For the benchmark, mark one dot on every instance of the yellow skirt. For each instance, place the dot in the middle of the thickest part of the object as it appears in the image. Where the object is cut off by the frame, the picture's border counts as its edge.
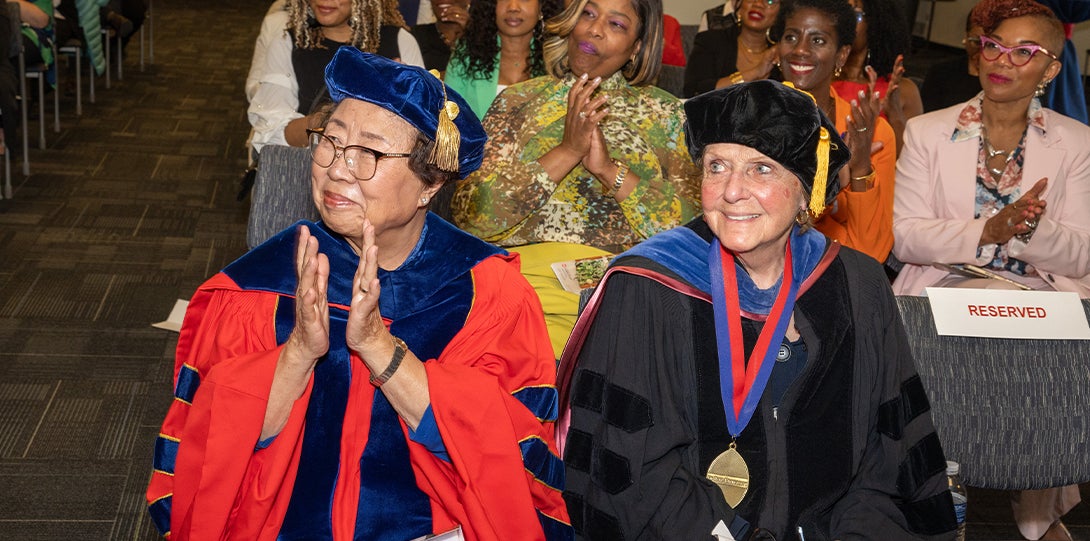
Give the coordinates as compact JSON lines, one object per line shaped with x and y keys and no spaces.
{"x":560,"y":306}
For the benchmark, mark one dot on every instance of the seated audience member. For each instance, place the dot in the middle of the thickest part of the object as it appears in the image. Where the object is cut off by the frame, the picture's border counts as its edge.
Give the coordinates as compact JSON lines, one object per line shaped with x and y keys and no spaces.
{"x":790,"y":441}
{"x":437,"y":39}
{"x":589,"y":159}
{"x":673,"y":50}
{"x":816,"y":39}
{"x":1023,"y":216}
{"x":502,"y":46}
{"x":954,"y":81}
{"x":285,"y":83}
{"x":80,"y":20}
{"x":37,"y":20}
{"x":377,"y":375}
{"x":881,"y":43}
{"x":735,"y":53}
{"x":720,"y":16}
{"x":125,"y":17}
{"x":37,"y":34}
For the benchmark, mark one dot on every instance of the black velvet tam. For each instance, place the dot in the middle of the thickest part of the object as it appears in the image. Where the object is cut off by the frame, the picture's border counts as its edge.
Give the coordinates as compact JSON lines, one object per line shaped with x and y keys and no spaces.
{"x":411,"y":93}
{"x":772,"y":118}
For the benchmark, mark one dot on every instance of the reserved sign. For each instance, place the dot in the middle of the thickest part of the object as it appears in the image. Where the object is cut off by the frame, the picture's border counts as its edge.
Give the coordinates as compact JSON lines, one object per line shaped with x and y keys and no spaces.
{"x":999,"y":313}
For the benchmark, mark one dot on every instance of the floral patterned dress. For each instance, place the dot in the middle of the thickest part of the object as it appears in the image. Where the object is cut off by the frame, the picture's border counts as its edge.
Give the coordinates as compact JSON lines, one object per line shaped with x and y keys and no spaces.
{"x":512,"y":201}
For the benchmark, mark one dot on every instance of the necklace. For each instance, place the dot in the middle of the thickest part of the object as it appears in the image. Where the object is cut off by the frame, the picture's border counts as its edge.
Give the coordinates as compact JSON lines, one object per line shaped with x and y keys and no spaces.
{"x":742,"y":44}
{"x":1008,"y":155}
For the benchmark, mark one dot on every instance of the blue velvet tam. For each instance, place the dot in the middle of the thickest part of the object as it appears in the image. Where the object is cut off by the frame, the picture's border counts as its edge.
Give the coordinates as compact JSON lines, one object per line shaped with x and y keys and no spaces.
{"x":778,"y":121}
{"x":417,"y":96}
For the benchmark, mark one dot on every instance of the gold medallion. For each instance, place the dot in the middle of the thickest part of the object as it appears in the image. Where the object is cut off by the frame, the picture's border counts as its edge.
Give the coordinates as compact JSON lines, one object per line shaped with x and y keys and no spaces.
{"x":730,"y":473}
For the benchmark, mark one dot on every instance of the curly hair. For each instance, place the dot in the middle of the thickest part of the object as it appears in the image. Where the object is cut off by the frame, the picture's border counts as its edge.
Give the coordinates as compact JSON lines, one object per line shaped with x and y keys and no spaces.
{"x":479,"y":47}
{"x":988,"y":14}
{"x":887,"y":34}
{"x":840,"y":11}
{"x":365,"y":25}
{"x":648,"y":63}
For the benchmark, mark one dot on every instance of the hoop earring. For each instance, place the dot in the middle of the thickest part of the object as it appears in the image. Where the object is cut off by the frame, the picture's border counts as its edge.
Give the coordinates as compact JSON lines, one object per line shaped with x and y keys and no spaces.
{"x":768,"y":37}
{"x":801,"y":218}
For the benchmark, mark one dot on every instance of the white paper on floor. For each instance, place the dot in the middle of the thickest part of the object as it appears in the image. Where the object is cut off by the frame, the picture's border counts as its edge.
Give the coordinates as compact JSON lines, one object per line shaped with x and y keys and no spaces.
{"x":174,"y":320}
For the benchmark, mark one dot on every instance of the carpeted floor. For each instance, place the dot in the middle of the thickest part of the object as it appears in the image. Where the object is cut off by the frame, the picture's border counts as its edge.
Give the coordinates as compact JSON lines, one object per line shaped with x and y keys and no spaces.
{"x":131,"y":207}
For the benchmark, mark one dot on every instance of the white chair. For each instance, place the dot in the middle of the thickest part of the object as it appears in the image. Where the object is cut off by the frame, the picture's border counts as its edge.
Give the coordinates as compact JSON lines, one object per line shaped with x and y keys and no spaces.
{"x":30,"y":72}
{"x":151,"y":37}
{"x":74,"y":49}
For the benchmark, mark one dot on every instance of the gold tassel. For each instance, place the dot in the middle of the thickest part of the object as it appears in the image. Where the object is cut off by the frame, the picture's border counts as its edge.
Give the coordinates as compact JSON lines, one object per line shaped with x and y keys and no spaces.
{"x":821,"y":176}
{"x":447,"y":138}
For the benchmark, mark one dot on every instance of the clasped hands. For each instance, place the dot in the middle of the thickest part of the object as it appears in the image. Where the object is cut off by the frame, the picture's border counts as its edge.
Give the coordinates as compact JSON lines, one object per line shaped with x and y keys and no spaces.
{"x":583,"y":136}
{"x":1018,"y":218}
{"x":366,"y":334}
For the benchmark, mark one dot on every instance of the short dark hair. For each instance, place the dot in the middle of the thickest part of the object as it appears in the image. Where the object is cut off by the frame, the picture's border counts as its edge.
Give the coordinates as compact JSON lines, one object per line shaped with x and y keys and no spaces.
{"x":989,"y":14}
{"x":840,"y":11}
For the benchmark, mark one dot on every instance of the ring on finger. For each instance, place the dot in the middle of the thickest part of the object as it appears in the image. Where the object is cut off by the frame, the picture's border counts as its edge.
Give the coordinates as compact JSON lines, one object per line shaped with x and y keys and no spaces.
{"x":863,"y":129}
{"x":582,"y":114}
{"x":1031,"y":223}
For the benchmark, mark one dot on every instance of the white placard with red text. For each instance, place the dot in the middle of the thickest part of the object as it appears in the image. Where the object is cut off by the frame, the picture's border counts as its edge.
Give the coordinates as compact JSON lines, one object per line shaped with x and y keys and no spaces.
{"x":1000,"y":313}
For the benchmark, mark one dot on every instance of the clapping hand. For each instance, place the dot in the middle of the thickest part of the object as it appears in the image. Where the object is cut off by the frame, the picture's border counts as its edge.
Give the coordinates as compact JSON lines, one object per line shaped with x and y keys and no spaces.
{"x":366,"y":334}
{"x":860,"y":136}
{"x":452,"y":13}
{"x":309,"y":340}
{"x":584,"y":114}
{"x":1018,"y":218}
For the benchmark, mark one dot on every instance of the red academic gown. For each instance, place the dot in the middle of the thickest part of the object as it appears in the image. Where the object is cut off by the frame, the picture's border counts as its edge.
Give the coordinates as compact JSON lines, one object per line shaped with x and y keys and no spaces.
{"x":492,"y":393}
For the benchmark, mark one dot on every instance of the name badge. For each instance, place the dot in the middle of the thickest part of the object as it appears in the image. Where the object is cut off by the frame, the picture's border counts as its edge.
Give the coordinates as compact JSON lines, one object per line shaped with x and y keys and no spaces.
{"x":998,"y":313}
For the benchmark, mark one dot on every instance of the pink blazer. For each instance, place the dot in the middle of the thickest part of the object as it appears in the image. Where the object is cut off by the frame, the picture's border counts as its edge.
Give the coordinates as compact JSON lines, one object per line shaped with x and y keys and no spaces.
{"x":935,"y":197}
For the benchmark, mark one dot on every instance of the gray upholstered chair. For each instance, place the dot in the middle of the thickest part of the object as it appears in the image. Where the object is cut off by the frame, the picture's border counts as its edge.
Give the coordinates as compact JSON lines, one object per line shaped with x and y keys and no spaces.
{"x":281,"y":192}
{"x":1014,"y":413}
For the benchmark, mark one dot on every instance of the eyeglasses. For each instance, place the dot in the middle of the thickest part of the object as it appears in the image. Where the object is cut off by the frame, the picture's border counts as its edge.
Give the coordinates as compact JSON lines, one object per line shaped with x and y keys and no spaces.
{"x":768,"y":3}
{"x":859,"y":16}
{"x":1019,"y":56}
{"x":361,"y":161}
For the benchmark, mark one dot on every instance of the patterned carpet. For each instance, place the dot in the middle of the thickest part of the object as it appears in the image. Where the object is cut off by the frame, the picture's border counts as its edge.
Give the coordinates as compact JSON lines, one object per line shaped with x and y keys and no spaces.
{"x":130,"y":207}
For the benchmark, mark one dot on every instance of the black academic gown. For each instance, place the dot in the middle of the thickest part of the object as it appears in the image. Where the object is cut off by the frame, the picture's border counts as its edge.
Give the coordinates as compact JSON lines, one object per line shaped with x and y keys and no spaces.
{"x":850,"y":451}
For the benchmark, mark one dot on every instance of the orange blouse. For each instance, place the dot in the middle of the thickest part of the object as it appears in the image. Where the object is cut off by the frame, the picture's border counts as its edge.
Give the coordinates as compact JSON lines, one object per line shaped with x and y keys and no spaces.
{"x":864,"y":220}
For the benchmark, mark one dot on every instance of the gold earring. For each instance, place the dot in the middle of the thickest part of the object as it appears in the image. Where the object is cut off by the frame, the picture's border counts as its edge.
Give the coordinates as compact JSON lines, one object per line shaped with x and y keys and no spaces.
{"x":1041,"y":86}
{"x":837,"y":72}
